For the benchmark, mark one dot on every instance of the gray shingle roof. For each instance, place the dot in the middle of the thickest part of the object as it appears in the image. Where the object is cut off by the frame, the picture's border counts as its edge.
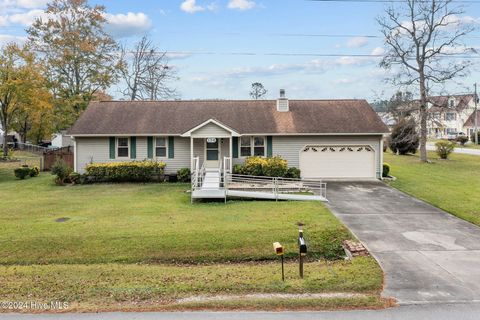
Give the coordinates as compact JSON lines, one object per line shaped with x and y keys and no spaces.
{"x":245,"y":117}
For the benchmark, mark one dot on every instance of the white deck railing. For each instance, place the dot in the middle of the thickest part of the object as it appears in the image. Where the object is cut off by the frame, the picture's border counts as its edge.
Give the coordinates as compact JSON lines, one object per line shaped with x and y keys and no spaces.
{"x":276,"y":185}
{"x":272,"y":185}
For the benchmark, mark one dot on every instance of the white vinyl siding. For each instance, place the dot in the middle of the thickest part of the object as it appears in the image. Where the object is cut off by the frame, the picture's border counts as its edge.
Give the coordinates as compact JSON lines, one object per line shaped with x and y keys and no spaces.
{"x":211,"y":130}
{"x":96,"y":150}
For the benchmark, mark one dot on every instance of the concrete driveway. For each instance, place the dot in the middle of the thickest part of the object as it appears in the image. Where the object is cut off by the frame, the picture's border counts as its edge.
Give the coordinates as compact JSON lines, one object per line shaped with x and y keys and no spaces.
{"x":427,"y":254}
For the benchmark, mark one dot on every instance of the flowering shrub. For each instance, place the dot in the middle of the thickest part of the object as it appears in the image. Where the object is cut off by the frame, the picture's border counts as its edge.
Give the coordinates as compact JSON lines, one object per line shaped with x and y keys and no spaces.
{"x":134,"y":171}
{"x":269,"y":167}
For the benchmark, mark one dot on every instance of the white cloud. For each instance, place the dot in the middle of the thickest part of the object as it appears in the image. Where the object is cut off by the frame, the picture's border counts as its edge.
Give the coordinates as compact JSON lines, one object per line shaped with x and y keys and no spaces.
{"x":126,"y":25}
{"x":378,"y":51}
{"x":22,"y":4}
{"x":26,"y":18}
{"x":343,"y":81}
{"x":357,"y":42}
{"x":191,"y":6}
{"x":7,"y":38}
{"x":241,"y":4}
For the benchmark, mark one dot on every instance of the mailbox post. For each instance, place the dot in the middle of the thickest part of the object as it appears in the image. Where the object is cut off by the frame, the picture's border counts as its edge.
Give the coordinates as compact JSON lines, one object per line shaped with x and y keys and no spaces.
{"x":302,"y":248}
{"x":279,"y":252}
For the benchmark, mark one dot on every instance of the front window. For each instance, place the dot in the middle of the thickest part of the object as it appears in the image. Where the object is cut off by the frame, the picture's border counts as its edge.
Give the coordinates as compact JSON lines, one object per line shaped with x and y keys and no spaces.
{"x":450,"y":116}
{"x":161,"y":147}
{"x":259,"y":146}
{"x":122,"y":147}
{"x":245,"y":146}
{"x":451,"y":130}
{"x":252,"y":146}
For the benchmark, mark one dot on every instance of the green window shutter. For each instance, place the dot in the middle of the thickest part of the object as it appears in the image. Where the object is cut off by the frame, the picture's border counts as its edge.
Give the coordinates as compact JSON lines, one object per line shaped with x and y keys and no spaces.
{"x":171,"y":147}
{"x":235,"y":147}
{"x":133,"y":147}
{"x":150,"y":147}
{"x":112,"y":147}
{"x":269,"y":146}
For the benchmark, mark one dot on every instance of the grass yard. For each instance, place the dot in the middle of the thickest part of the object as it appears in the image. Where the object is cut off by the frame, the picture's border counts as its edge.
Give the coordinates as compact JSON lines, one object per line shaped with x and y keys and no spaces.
{"x":144,"y":246}
{"x":160,"y":287}
{"x":452,"y":185}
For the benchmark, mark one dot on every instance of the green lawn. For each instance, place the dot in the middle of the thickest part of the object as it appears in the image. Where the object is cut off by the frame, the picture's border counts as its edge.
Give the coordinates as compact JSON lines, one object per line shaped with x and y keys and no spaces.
{"x":452,"y":185}
{"x":134,"y":246}
{"x":150,"y":223}
{"x":123,"y":286}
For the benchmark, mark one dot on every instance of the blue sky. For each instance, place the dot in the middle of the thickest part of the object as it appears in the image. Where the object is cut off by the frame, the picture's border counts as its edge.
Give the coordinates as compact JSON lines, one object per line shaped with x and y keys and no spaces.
{"x":188,"y":29}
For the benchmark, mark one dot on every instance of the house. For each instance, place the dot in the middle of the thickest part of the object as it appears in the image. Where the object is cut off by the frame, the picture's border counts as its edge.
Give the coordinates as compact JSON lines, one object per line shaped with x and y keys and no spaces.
{"x":61,"y":139}
{"x":323,"y":138}
{"x":388,"y":119}
{"x":469,"y":125}
{"x":449,"y":114}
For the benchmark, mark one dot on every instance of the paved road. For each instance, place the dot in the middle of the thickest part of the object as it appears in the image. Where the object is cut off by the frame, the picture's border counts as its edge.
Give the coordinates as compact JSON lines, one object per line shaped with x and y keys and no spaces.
{"x":475,"y":152}
{"x":428,"y":255}
{"x":413,"y":312}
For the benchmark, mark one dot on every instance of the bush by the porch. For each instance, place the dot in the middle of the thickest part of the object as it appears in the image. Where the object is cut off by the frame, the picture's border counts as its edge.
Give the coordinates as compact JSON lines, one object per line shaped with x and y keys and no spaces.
{"x":135,"y":171}
{"x":268,"y":167}
{"x":183,"y":175}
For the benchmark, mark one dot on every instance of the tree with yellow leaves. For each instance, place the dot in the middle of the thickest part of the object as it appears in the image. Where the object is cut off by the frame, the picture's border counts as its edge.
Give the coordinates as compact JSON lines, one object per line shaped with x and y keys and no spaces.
{"x":22,"y":86}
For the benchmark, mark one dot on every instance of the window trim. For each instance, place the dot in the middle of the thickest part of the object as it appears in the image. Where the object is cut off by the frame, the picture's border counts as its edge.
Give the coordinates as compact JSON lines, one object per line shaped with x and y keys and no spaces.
{"x":450,"y":113}
{"x":252,"y":146}
{"x":155,"y":147}
{"x":117,"y":146}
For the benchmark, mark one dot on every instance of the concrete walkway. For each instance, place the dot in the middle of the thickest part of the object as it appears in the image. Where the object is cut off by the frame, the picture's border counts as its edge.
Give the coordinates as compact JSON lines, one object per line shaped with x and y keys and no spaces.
{"x":475,"y":152}
{"x":428,"y":255}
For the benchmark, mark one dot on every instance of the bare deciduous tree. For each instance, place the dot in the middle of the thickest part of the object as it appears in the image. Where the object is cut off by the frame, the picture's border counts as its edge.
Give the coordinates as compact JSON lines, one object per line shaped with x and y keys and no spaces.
{"x":146,"y":72}
{"x":258,"y":91}
{"x":419,"y":35}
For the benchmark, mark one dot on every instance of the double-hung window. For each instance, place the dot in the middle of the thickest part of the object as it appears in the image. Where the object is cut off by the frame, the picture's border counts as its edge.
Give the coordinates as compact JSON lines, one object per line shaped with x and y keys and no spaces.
{"x":122,"y":147}
{"x":259,"y":146}
{"x":161,"y":147}
{"x":252,"y":146}
{"x":245,"y":146}
{"x":450,"y":116}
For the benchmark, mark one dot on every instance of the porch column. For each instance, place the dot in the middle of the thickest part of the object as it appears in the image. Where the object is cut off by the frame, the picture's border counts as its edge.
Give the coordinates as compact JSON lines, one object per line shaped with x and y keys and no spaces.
{"x":231,"y":147}
{"x":191,"y":154}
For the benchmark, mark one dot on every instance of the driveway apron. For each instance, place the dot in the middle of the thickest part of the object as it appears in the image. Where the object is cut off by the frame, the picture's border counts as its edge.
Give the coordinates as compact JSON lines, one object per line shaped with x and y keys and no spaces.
{"x":427,"y":254}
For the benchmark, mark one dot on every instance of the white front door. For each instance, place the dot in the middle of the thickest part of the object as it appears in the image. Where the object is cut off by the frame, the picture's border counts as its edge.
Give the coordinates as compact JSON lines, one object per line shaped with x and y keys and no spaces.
{"x":212,"y":152}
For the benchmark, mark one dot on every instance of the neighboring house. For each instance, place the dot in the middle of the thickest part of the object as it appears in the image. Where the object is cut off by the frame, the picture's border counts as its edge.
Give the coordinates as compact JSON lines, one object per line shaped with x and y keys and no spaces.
{"x":448,"y":114}
{"x":61,"y":139}
{"x":324,"y":138}
{"x":387,"y":119}
{"x":469,"y":125}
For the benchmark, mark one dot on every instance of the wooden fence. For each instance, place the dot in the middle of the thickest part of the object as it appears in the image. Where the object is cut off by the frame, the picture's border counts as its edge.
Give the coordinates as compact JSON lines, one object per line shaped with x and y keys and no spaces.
{"x":50,"y":156}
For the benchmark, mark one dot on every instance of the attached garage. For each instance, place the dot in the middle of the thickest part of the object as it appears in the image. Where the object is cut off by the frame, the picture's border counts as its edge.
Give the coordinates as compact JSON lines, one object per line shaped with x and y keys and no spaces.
{"x":339,"y":162}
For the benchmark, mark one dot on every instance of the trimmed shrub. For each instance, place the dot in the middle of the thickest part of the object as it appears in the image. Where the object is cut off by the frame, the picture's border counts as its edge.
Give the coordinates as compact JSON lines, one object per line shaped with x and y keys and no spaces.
{"x":22,"y":172}
{"x":134,"y":171}
{"x":34,"y":172}
{"x":61,"y":170}
{"x":404,"y":137}
{"x":7,"y":156}
{"x":238,"y":169}
{"x":293,"y":173}
{"x":253,"y":166}
{"x":462,"y":140}
{"x":75,"y":177}
{"x":444,"y":148}
{"x":385,"y":170}
{"x":274,"y":167}
{"x":183,"y":175}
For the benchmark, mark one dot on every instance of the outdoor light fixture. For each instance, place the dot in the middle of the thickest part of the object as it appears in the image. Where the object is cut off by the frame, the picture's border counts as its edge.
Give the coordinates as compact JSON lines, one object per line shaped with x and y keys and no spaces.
{"x":278,"y":248}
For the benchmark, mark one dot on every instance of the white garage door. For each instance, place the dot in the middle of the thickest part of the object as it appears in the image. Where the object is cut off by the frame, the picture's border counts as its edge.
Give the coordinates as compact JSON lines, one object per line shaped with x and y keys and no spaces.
{"x":349,"y":161}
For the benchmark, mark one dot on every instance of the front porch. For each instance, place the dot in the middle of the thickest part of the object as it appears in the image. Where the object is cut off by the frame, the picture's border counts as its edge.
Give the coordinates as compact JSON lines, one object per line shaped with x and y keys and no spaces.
{"x":221,"y":183}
